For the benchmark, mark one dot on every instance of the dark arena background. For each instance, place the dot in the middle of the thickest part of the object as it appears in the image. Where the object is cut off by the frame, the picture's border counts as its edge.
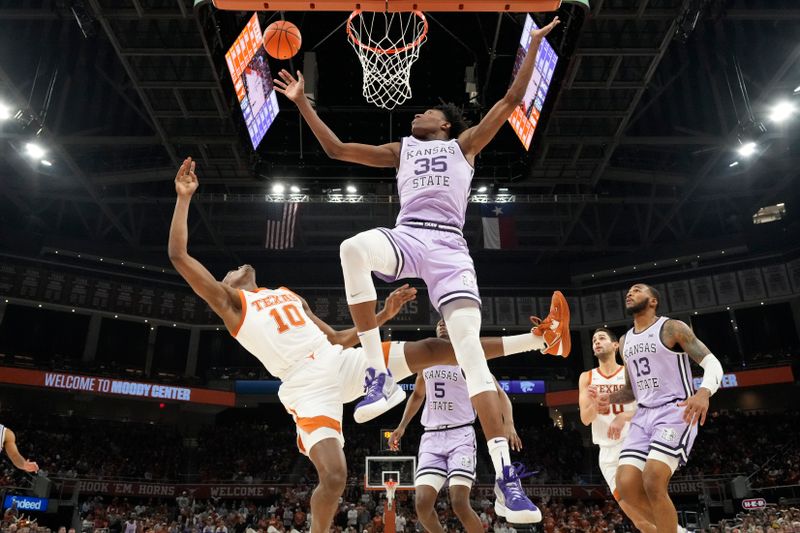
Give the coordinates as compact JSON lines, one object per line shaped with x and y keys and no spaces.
{"x":666,"y":152}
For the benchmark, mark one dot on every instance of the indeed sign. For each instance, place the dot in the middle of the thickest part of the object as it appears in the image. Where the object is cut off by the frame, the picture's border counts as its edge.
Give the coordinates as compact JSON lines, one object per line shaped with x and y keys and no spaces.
{"x":25,"y":503}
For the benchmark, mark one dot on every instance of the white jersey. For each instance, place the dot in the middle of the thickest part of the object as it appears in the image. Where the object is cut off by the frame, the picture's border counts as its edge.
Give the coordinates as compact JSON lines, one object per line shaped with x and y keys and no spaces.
{"x":2,"y":437}
{"x":607,"y":385}
{"x":276,"y":330}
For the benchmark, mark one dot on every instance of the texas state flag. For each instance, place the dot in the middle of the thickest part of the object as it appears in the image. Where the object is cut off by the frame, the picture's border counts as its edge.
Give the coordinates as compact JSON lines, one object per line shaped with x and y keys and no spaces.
{"x":499,"y":229}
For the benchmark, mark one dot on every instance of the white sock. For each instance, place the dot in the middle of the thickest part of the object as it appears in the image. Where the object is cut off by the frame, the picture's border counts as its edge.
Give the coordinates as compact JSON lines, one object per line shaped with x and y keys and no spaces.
{"x":371,"y":343}
{"x":501,"y":456}
{"x":538,"y":343}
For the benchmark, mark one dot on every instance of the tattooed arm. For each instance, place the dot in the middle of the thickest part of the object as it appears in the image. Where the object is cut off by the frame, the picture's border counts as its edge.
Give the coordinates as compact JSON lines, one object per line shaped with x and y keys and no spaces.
{"x":625,"y":394}
{"x":677,"y":333}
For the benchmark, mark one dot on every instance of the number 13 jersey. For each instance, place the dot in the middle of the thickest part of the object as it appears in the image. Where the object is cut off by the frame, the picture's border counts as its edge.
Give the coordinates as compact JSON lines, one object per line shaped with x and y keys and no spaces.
{"x":609,"y":384}
{"x":433,"y":181}
{"x":277,"y":331}
{"x":658,"y":375}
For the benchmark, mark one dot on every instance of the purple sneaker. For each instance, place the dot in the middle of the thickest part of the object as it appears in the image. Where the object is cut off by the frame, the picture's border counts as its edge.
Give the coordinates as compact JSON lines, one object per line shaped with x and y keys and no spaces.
{"x":511,"y":502}
{"x":381,"y":393}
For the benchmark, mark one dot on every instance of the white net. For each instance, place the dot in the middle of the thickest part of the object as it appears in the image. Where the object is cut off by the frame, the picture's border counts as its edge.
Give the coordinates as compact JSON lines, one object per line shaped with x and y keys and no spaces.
{"x":387,"y":45}
{"x":391,"y":487}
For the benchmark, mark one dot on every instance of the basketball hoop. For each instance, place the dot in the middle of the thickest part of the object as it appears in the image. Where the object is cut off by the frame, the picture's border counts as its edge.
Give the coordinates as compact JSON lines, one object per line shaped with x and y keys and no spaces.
{"x":387,"y":45}
{"x":391,"y":487}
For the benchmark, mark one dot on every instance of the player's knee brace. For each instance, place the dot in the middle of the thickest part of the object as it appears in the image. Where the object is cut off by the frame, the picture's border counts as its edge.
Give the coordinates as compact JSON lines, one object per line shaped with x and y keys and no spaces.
{"x":361,"y":255}
{"x":464,"y":327}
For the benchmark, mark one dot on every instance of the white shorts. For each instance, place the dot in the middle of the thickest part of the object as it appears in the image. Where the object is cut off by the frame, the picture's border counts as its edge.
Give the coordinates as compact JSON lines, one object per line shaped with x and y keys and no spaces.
{"x":609,"y":461}
{"x":319,"y":386}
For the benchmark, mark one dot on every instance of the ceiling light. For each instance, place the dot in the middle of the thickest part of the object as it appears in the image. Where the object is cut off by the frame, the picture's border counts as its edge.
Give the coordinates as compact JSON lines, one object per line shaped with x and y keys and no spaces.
{"x":747,"y":149}
{"x":782,"y":111}
{"x":46,"y":163}
{"x":796,"y":89}
{"x":503,"y":189}
{"x":295,"y":189}
{"x":5,"y":112}
{"x":34,"y":151}
{"x":735,"y":163}
{"x":482,"y":189}
{"x":351,"y":189}
{"x":278,"y":188}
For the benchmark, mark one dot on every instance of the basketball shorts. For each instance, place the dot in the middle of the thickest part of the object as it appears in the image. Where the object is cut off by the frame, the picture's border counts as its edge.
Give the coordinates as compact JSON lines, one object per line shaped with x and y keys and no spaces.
{"x":317,"y":388}
{"x":439,"y":257}
{"x":608,"y":462}
{"x":658,"y":433}
{"x":447,"y":456}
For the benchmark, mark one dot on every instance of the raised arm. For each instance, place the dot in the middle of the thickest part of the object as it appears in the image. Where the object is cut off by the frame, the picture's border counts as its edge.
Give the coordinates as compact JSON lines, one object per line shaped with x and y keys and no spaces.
{"x":10,"y":446}
{"x":473,"y":140}
{"x":586,"y":404}
{"x":348,"y":338}
{"x":382,"y":156}
{"x":413,"y":404}
{"x":223,"y":300}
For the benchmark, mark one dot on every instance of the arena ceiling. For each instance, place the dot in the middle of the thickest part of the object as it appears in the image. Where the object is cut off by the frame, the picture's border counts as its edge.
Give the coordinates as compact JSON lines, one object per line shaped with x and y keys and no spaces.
{"x":634,"y":157}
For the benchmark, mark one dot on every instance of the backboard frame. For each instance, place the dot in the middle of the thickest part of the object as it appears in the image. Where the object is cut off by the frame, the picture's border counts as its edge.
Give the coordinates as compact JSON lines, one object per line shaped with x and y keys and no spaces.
{"x":389,"y":458}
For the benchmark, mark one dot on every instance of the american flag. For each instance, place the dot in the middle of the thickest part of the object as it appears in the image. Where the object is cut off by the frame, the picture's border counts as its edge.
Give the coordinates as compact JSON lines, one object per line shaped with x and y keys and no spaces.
{"x":281,"y":220}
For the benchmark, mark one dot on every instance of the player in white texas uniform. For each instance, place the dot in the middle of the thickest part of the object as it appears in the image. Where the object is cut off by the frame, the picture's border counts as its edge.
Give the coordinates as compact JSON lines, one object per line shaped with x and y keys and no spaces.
{"x":434,"y":172}
{"x":610,"y":428}
{"x":8,"y":442}
{"x":447,"y":450}
{"x":318,"y":368}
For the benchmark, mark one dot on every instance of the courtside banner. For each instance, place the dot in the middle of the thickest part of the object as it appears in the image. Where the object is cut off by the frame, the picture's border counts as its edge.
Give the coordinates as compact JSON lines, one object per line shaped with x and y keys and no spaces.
{"x":733,"y":380}
{"x":239,"y":491}
{"x":115,"y":387}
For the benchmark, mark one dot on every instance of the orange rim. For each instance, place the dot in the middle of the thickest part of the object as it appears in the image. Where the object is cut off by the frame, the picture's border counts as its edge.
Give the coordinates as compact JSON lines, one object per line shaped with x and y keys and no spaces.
{"x":388,"y":51}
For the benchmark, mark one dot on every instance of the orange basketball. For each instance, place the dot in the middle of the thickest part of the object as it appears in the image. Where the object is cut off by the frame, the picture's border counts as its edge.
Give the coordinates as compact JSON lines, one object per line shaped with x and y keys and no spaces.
{"x":282,"y":39}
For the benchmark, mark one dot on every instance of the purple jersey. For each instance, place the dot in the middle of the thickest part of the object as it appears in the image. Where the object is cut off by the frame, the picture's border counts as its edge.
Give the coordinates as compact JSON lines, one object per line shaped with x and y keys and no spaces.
{"x":447,"y":402}
{"x":433,"y":181}
{"x":658,"y":375}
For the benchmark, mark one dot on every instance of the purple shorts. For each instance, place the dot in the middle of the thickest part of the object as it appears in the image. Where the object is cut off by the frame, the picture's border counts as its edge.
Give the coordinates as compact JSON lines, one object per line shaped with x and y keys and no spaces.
{"x":448,"y":453}
{"x":439,"y":257}
{"x":659,"y":429}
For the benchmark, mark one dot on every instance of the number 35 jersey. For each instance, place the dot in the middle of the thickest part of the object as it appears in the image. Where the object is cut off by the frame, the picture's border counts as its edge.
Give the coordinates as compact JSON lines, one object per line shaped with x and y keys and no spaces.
{"x":658,"y":375}
{"x":433,"y":181}
{"x":447,"y":402}
{"x":608,"y":384}
{"x":277,"y":331}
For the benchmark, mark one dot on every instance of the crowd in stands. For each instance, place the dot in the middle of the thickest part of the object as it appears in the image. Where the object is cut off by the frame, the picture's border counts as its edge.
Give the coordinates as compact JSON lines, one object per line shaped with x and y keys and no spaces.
{"x":765,"y":446}
{"x":773,"y":519}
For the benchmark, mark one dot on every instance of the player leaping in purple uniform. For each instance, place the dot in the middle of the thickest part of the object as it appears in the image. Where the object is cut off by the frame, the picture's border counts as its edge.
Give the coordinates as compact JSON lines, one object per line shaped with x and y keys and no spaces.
{"x":434,"y":174}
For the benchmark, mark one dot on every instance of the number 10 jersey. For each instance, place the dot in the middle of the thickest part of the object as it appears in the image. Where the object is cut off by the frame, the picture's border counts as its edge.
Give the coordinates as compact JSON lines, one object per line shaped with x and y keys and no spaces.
{"x":275,"y":328}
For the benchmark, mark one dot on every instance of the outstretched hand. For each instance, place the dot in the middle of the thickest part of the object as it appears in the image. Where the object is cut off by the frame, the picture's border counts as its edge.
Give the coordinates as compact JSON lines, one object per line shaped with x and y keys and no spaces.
{"x":30,"y":466}
{"x":541,"y":32}
{"x":186,"y":180}
{"x":287,"y":85}
{"x":394,"y":438}
{"x":398,"y":298}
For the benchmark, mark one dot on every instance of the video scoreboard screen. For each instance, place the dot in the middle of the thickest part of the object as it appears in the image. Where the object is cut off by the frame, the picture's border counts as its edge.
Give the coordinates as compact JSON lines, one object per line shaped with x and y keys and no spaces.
{"x":525,"y":117}
{"x":252,"y":79}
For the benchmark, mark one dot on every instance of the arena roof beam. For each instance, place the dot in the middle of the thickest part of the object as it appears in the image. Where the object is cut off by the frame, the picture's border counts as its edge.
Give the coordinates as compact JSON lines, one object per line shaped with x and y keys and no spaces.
{"x":52,"y":142}
{"x":712,"y":161}
{"x":162,"y":135}
{"x":666,"y":40}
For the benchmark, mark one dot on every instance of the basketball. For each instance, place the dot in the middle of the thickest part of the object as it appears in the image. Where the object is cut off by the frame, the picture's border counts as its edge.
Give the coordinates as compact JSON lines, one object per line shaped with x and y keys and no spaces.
{"x":282,"y":39}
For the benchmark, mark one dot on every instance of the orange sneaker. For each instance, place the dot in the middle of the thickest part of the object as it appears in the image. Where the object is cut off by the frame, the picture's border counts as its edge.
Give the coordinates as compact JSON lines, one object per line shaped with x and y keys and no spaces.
{"x":555,"y":327}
